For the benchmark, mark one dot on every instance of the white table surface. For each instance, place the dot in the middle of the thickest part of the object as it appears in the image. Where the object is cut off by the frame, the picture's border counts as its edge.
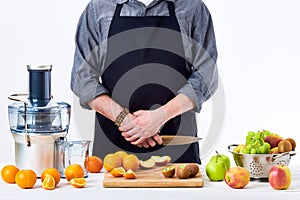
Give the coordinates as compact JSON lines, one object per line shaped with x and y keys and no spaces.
{"x":94,"y":190}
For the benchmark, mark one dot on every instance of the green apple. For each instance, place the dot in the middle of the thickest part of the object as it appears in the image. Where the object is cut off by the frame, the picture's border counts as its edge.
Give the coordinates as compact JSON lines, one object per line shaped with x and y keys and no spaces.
{"x":221,"y":157}
{"x":216,"y":170}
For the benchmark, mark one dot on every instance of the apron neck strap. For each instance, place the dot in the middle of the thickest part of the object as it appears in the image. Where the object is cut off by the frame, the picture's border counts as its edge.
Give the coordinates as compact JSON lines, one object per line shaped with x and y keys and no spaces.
{"x":171,"y":7}
{"x":118,"y":10}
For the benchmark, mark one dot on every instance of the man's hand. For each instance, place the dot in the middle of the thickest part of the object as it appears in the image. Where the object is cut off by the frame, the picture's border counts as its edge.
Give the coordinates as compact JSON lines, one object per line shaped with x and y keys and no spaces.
{"x":152,"y":141}
{"x":144,"y":127}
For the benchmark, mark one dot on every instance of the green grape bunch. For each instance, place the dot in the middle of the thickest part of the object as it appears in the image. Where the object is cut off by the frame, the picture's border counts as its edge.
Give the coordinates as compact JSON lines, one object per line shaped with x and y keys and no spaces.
{"x":255,"y":143}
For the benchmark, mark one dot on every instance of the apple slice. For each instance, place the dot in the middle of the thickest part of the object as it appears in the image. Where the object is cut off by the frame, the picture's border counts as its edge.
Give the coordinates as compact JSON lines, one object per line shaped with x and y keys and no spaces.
{"x":148,"y":164}
{"x":161,"y":160}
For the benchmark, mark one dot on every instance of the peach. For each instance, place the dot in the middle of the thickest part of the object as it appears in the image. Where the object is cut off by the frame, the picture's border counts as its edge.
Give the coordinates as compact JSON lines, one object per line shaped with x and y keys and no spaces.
{"x":111,"y":161}
{"x":237,"y":177}
{"x":131,"y":161}
{"x":280,"y":177}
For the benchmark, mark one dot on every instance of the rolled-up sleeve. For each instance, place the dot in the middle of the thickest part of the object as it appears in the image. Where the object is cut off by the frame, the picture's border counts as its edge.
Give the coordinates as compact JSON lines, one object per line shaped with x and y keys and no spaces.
{"x":86,"y":68}
{"x":203,"y":81}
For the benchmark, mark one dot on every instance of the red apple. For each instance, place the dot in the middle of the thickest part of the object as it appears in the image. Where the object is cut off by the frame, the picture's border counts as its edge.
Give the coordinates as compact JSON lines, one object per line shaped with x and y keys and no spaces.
{"x":280,"y":177}
{"x":273,"y":139}
{"x":237,"y":177}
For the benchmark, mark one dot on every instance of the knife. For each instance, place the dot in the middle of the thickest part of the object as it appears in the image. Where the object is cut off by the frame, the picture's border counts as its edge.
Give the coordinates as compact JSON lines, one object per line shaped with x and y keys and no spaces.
{"x":179,"y":139}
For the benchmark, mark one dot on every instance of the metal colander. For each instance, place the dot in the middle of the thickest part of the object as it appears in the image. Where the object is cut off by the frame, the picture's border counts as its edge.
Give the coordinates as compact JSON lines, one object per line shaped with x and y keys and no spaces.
{"x":259,"y":164}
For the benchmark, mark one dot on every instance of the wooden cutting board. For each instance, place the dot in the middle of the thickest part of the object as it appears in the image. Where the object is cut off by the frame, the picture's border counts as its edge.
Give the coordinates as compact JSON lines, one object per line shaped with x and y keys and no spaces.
{"x":151,"y":178}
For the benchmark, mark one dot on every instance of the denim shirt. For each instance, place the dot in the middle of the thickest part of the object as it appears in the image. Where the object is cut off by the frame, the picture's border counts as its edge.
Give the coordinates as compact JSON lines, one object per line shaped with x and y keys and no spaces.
{"x":92,"y":31}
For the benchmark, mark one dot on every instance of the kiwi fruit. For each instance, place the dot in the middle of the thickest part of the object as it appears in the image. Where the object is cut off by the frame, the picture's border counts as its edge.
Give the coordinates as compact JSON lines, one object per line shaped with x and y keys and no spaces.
{"x":293,"y":143}
{"x":168,"y":172}
{"x":182,"y":173}
{"x":284,"y":146}
{"x":192,"y":168}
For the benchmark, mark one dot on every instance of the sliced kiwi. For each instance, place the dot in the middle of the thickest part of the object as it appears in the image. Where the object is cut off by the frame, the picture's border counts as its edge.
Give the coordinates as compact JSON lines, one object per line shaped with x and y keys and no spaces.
{"x":168,"y":172}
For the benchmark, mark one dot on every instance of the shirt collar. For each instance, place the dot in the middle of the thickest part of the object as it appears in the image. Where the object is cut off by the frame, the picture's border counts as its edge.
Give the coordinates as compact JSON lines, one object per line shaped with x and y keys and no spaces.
{"x":123,"y":1}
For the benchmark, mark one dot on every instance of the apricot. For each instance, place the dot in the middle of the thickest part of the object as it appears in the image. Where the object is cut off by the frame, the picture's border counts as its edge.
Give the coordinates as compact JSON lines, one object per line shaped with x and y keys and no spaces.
{"x":121,"y":153}
{"x":131,"y":162}
{"x":111,"y":161}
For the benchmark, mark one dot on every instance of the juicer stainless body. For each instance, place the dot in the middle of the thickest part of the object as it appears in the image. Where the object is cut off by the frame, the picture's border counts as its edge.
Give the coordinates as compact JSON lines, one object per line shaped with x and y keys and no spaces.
{"x":37,"y":121}
{"x":39,"y":155}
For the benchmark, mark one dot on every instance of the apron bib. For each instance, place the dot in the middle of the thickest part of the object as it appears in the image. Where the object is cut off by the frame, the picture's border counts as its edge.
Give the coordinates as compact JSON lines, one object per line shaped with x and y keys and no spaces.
{"x":143,"y":79}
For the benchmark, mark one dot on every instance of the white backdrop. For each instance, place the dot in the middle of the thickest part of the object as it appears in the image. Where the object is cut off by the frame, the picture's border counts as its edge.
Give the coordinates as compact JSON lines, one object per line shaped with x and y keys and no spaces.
{"x":258,"y":62}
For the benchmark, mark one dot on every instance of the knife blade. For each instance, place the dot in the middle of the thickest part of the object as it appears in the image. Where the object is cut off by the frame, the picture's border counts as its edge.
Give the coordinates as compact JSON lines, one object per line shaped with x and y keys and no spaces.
{"x":179,"y":139}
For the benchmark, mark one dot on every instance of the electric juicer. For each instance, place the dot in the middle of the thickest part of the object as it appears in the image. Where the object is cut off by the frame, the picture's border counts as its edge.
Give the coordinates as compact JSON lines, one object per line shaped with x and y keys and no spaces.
{"x":37,"y":121}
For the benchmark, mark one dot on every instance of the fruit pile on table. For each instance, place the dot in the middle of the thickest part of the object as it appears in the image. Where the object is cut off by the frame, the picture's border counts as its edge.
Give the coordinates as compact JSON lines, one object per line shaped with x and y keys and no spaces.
{"x":120,"y":164}
{"x":265,"y":142}
{"x":50,"y":177}
{"x":260,"y":142}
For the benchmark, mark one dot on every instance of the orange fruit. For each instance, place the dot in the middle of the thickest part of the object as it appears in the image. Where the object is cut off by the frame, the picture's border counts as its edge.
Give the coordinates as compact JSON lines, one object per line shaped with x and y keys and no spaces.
{"x":8,"y":173}
{"x":78,"y":182}
{"x":130,"y":174}
{"x":48,"y":182}
{"x":94,"y":164}
{"x":25,"y":178}
{"x":131,"y":162}
{"x":53,"y":172}
{"x":74,"y":171}
{"x":111,"y":161}
{"x":118,"y":172}
{"x":121,"y":153}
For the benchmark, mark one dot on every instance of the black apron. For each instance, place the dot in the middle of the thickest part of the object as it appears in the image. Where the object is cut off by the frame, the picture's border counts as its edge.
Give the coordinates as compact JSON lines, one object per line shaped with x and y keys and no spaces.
{"x":142,"y":79}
